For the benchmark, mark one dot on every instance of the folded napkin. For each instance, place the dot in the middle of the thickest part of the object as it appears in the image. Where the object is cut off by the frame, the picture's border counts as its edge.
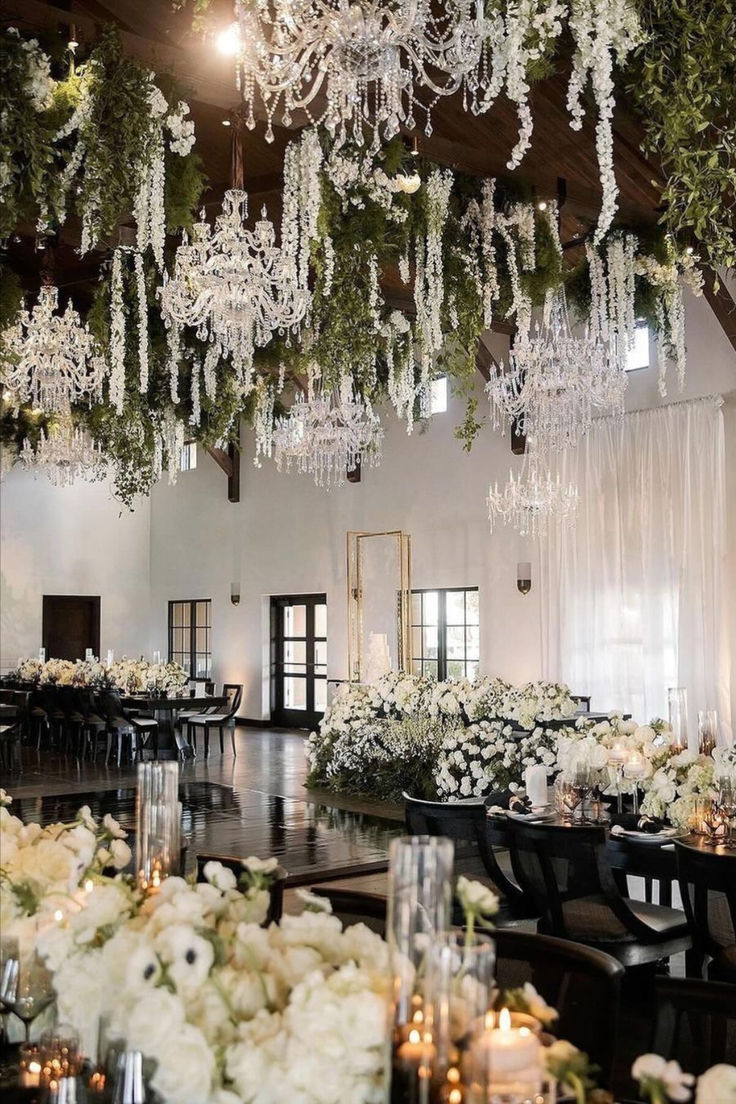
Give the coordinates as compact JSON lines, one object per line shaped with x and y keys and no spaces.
{"x":631,"y":822}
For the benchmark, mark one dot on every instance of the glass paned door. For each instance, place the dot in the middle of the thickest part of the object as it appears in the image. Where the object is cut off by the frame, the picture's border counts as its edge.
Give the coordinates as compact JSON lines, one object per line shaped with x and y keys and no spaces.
{"x":298,"y":659}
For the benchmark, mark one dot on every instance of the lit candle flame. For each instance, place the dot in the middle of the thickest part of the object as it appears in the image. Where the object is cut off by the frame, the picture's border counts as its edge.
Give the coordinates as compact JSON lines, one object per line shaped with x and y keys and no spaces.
{"x":504,"y":1020}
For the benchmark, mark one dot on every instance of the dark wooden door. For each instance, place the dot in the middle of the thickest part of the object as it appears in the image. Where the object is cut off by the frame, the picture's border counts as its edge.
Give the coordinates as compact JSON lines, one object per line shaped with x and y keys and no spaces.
{"x":71,"y":624}
{"x":298,"y":659}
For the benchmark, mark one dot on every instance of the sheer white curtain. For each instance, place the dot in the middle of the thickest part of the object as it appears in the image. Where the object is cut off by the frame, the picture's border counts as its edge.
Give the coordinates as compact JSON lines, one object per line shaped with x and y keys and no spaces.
{"x":632,"y":598}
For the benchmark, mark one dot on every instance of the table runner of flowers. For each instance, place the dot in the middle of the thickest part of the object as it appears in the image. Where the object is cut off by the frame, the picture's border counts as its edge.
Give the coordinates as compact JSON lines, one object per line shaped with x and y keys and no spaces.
{"x":224,"y":1010}
{"x":130,"y":676}
{"x":453,"y":740}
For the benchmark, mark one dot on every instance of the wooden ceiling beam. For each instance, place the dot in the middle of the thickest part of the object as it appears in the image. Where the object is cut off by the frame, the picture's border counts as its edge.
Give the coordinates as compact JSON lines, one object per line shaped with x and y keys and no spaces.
{"x":721,"y":303}
{"x":229,"y":460}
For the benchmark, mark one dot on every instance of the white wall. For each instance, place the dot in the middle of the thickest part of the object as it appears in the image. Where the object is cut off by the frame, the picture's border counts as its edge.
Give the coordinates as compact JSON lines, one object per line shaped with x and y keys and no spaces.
{"x":287,"y":536}
{"x":71,"y":540}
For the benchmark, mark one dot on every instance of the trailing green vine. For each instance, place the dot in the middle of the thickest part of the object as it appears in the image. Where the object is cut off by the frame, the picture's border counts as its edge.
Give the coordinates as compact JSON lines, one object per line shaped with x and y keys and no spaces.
{"x":682,"y":80}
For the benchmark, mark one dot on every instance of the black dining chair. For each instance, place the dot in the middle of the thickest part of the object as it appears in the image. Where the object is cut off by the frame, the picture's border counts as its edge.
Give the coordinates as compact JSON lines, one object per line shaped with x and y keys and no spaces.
{"x":582,"y":983}
{"x":220,"y":719}
{"x":143,"y":731}
{"x":468,"y":822}
{"x":708,"y":888}
{"x":566,"y":871}
{"x":695,"y":1022}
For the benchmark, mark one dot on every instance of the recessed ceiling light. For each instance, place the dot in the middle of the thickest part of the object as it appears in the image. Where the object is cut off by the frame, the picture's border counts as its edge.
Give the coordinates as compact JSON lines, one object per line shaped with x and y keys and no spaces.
{"x":226,"y":122}
{"x":228,"y":40}
{"x":542,"y":205}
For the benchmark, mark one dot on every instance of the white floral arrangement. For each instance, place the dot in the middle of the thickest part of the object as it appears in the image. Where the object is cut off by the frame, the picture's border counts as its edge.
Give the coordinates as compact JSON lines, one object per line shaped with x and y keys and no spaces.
{"x":486,"y":757}
{"x":45,"y":870}
{"x":661,"y":1081}
{"x":130,"y":676}
{"x":469,"y":751}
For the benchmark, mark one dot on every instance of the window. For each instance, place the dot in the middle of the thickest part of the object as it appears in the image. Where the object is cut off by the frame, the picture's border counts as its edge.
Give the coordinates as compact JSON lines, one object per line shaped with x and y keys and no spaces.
{"x":445,"y":633}
{"x":190,"y":629}
{"x":188,"y":456}
{"x":639,"y":351}
{"x":438,"y":396}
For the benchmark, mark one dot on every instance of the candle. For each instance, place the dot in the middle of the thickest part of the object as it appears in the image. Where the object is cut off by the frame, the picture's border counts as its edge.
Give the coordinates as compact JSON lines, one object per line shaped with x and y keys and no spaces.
{"x":617,"y":754}
{"x":512,"y":1054}
{"x":535,"y":781}
{"x":29,"y":1066}
{"x":110,"y":657}
{"x":635,"y":766}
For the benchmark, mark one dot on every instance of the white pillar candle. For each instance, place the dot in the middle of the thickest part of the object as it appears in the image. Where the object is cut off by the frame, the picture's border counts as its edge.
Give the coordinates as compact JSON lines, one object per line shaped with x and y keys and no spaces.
{"x":535,"y":781}
{"x":512,"y":1055}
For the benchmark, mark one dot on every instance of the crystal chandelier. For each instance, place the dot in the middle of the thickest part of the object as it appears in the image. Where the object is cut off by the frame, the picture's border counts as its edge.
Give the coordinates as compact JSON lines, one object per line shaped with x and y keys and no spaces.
{"x":235,"y":286}
{"x":556,"y":381}
{"x":51,"y":360}
{"x":328,"y":436}
{"x":66,"y":454}
{"x":370,"y":62}
{"x":533,"y":500}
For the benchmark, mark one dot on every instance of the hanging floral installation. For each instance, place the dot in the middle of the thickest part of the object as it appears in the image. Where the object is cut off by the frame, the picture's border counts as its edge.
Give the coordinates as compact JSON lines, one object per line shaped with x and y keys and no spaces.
{"x":397,"y":265}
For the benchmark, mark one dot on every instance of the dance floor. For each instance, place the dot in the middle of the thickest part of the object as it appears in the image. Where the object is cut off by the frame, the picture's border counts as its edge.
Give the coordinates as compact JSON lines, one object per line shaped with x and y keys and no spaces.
{"x":251,"y":804}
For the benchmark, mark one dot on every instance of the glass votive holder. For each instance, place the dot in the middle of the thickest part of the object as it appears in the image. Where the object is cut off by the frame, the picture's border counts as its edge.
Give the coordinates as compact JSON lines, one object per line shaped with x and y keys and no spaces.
{"x":60,"y":1054}
{"x":506,"y":1064}
{"x":158,"y":827}
{"x":29,"y":1066}
{"x":715,"y":824}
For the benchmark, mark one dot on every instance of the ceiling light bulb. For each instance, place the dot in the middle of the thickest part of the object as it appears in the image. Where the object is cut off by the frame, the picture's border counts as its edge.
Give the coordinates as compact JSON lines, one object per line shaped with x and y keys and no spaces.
{"x":226,"y":122}
{"x":72,"y":44}
{"x":542,"y":205}
{"x":228,"y":41}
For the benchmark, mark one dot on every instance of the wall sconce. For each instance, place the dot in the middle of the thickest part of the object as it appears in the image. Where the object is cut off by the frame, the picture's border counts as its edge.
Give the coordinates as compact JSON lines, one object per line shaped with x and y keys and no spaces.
{"x":524,"y":577}
{"x":235,"y":593}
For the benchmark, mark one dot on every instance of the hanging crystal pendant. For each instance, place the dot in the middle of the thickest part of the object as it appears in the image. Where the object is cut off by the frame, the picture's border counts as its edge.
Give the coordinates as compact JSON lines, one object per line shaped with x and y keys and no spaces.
{"x":534,"y":499}
{"x":51,"y":360}
{"x":64,"y":455}
{"x":350,"y":65}
{"x":556,"y":382}
{"x":327,"y":436}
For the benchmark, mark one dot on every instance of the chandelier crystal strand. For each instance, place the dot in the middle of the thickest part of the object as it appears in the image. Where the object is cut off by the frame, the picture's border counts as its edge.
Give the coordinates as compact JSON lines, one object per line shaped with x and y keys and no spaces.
{"x":235,"y":286}
{"x":533,"y":500}
{"x":64,"y":455}
{"x":51,"y":359}
{"x":353,"y":64}
{"x":327,"y":435}
{"x":263,"y":421}
{"x":555,"y":381}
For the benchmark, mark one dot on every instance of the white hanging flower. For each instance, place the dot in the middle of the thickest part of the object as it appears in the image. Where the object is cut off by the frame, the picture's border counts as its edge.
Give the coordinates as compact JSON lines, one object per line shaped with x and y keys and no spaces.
{"x":117,"y":335}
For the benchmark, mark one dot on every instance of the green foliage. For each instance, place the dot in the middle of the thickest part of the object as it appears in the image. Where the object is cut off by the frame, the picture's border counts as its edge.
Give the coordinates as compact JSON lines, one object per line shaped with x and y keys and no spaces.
{"x":128,"y":439}
{"x":682,"y":80}
{"x":117,"y":139}
{"x":29,"y":187}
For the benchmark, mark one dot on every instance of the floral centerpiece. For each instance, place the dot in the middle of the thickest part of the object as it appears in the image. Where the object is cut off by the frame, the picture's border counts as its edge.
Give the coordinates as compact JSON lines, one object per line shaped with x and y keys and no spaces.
{"x":460,"y":743}
{"x":130,"y":676}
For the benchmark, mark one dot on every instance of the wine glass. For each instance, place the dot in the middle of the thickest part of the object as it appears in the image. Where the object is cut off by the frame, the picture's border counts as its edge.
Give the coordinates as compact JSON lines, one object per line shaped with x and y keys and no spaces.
{"x":582,"y":782}
{"x":26,"y":987}
{"x":726,"y":802}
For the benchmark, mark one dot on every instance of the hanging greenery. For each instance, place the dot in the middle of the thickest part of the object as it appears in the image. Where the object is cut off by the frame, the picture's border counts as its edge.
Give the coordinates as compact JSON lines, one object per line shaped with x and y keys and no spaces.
{"x":29,"y":118}
{"x":105,"y":140}
{"x":123,"y":134}
{"x":682,"y":79}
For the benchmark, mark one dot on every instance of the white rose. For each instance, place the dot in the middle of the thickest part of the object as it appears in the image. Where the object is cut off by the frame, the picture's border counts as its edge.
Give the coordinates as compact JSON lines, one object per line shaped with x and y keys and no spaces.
{"x":718,"y":1084}
{"x":185,"y":1065}
{"x":112,"y":826}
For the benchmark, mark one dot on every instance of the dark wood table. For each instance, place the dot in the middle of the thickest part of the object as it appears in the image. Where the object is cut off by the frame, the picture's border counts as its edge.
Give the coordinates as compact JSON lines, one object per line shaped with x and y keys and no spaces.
{"x":166,"y":710}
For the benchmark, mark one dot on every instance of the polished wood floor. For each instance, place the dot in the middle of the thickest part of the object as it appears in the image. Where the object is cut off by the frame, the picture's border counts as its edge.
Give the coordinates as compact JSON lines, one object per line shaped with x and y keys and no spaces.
{"x":253,"y":803}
